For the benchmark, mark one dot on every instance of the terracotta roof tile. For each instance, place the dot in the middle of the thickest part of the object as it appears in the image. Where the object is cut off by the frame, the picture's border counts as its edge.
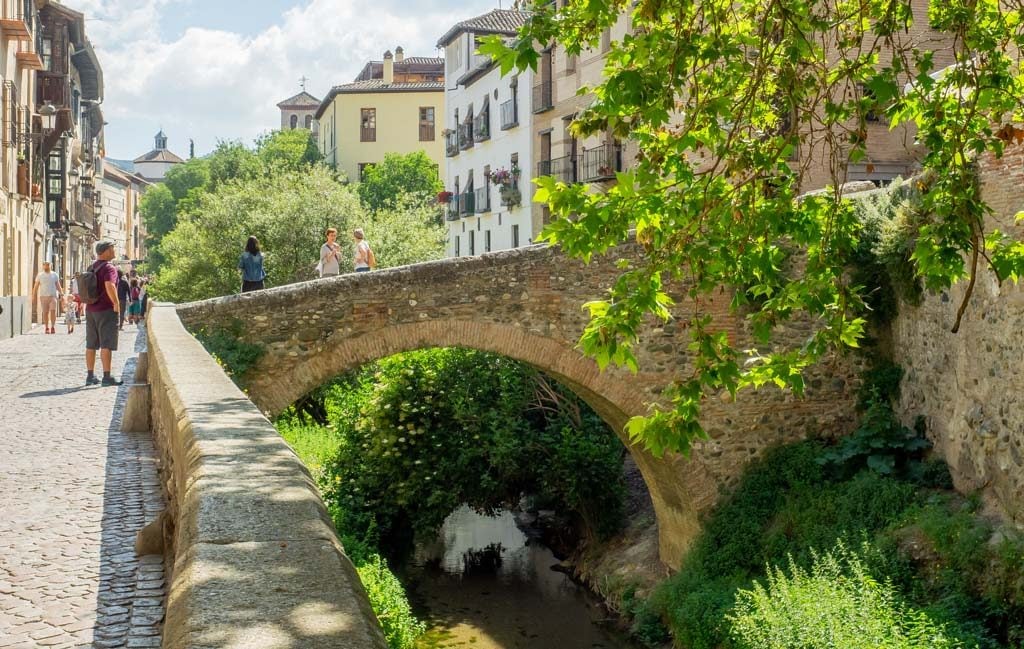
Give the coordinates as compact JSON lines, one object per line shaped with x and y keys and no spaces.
{"x":497,"y":21}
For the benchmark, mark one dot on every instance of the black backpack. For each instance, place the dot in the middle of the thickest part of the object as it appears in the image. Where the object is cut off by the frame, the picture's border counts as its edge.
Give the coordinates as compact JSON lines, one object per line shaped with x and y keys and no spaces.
{"x":89,"y":284}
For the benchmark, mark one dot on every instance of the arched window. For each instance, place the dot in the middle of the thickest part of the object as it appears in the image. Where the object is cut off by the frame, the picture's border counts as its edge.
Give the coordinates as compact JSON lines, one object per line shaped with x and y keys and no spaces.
{"x":295,"y":121}
{"x":309,"y":121}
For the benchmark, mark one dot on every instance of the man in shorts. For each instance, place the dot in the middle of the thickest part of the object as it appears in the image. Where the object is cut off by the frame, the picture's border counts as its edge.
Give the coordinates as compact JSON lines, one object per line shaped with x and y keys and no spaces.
{"x":48,"y":290}
{"x":101,"y":318}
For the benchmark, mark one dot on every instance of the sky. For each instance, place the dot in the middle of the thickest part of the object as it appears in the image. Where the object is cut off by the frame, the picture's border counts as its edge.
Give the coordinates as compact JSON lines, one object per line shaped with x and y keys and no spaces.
{"x":209,"y":70}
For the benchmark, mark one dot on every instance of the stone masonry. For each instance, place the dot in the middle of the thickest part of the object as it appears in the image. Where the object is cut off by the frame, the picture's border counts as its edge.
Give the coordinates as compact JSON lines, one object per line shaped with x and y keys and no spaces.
{"x":527,"y":304}
{"x":75,"y":492}
{"x":969,"y":386}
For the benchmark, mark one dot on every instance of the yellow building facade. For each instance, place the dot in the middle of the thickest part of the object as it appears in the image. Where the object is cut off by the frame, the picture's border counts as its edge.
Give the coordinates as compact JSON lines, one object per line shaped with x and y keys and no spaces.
{"x":395,"y":112}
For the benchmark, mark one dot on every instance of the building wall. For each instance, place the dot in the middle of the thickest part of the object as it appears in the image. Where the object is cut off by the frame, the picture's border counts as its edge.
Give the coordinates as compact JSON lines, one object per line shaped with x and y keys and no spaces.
{"x":23,"y":236}
{"x":567,"y":74}
{"x":114,"y":201}
{"x":300,"y":115}
{"x":397,"y":128}
{"x":501,"y":224}
{"x":153,"y":170}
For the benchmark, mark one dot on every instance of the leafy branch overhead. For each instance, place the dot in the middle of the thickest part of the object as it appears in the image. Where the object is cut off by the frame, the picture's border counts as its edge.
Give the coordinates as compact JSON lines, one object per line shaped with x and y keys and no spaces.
{"x":730,"y":104}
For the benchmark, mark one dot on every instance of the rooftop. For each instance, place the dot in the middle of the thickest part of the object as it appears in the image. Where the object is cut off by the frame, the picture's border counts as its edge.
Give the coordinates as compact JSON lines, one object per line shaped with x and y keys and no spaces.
{"x":301,"y":100}
{"x":497,"y":21}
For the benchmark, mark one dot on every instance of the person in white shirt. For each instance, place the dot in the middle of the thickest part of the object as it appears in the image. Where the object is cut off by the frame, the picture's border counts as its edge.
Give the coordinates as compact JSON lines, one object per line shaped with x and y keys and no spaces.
{"x":330,"y":255}
{"x":48,"y":290}
{"x":363,"y":260}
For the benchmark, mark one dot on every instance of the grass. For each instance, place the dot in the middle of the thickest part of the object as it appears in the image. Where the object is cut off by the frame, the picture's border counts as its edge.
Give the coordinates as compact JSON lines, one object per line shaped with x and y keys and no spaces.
{"x":314,"y":445}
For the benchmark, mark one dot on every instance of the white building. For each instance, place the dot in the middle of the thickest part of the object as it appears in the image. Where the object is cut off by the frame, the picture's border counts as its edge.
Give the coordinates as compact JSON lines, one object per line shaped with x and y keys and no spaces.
{"x":154,"y":165}
{"x":488,"y":141}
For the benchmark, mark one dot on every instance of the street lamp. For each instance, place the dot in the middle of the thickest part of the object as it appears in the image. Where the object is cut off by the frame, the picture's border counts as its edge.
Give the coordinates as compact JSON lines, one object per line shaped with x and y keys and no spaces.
{"x":49,"y":114}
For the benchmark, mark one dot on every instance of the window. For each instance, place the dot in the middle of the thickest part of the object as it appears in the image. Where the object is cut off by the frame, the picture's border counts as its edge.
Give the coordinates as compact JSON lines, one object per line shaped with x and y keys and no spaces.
{"x":368,"y":125}
{"x":515,"y":236}
{"x":487,"y":240}
{"x":457,"y":245}
{"x":48,"y":54}
{"x":309,"y":121}
{"x":363,"y":168}
{"x":294,"y":122}
{"x":472,"y":243}
{"x":426,"y":124}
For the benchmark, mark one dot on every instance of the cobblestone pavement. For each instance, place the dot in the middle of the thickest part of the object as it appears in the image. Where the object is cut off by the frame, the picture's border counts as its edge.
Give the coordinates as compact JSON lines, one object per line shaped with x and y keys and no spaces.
{"x":73,"y":493}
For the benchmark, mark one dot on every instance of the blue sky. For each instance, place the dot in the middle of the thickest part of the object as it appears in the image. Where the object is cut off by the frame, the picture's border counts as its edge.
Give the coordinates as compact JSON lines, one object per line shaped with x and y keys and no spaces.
{"x":214,"y":69}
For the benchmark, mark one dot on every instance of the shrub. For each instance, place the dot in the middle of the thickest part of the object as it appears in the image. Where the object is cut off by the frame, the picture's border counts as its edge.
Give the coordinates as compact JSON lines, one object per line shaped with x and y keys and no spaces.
{"x":232,"y":353}
{"x":835,"y":603}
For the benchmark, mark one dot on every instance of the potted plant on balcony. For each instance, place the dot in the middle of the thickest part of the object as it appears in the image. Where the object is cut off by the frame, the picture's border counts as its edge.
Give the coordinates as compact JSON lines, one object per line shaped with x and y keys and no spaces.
{"x":444,"y":197}
{"x":507,"y":181}
{"x":24,"y":185}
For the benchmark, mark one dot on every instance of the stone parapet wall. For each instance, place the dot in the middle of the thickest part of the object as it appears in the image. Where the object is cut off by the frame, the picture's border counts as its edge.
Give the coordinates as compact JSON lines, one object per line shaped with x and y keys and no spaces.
{"x":255,"y":560}
{"x":969,"y":386}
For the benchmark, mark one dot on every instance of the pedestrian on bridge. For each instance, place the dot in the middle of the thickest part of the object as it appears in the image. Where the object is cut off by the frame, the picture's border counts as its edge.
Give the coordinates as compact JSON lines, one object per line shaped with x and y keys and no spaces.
{"x":48,"y":290}
{"x":102,"y":316}
{"x":364,"y":259}
{"x":251,"y":265}
{"x":330,"y":255}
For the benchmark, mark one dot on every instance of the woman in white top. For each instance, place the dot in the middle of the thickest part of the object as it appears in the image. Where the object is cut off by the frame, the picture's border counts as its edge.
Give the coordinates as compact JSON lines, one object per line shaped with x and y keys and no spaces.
{"x":330,"y":255}
{"x":364,"y":260}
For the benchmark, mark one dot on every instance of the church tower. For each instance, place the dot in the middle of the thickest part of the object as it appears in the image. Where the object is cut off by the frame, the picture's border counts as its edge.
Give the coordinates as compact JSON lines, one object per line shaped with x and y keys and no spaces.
{"x":299,"y":111}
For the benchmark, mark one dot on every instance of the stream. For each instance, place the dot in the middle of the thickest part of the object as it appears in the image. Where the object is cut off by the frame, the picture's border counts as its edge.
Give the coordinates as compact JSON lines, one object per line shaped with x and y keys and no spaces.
{"x":482,"y":584}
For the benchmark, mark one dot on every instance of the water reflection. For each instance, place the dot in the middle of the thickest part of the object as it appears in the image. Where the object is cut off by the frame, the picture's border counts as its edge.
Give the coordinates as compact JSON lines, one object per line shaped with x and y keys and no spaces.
{"x":483,"y":584}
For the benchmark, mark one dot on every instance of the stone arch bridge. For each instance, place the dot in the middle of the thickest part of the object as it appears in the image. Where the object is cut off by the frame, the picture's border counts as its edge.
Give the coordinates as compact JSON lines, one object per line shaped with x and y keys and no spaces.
{"x":526,"y":304}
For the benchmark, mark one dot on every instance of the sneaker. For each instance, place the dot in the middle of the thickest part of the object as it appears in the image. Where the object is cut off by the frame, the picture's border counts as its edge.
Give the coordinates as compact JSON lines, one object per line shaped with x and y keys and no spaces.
{"x":92,"y":380}
{"x":109,"y":380}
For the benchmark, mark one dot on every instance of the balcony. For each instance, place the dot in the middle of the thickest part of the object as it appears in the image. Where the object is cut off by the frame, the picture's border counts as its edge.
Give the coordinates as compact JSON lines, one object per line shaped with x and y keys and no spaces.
{"x":601,"y":163}
{"x":466,"y":135}
{"x":483,"y":200}
{"x":53,"y":87}
{"x":467,"y":204}
{"x":509,"y":115}
{"x":451,"y":144}
{"x":542,"y":98}
{"x":17,"y":18}
{"x":28,"y":57}
{"x":482,"y":126}
{"x":563,"y":169}
{"x":453,"y":208}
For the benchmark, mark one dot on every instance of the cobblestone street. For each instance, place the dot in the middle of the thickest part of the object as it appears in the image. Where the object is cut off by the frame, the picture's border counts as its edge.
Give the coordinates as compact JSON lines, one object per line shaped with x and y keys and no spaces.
{"x":75,"y":491}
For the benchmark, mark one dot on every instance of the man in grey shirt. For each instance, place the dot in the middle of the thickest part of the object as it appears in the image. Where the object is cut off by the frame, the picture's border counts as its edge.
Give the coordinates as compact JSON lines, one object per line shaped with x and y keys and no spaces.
{"x":330,"y":255}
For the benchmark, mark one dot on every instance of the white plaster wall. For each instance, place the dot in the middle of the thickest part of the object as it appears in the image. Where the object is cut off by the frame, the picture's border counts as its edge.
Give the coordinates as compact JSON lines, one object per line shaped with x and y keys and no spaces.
{"x":496,"y":152}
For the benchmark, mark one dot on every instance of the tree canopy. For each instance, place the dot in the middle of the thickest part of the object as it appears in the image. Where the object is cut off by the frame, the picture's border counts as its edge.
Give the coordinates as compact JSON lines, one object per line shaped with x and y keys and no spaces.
{"x":717,"y":96}
{"x":411,"y":174}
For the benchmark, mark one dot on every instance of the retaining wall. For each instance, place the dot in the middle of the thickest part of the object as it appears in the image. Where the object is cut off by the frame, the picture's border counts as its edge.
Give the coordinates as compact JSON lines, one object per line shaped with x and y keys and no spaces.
{"x":253,"y":559}
{"x":15,"y":316}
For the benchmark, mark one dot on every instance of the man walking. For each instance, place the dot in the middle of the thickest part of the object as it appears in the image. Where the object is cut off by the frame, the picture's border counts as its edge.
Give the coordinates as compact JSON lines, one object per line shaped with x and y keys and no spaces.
{"x":47,"y":288}
{"x":123,"y":289}
{"x":101,"y":317}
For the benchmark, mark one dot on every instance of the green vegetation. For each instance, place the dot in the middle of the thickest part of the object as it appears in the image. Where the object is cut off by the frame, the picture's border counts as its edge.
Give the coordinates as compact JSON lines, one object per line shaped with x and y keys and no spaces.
{"x":414,"y":175}
{"x":412,"y":437}
{"x":717,"y":97}
{"x":201,"y":216}
{"x":230,"y":351}
{"x":927,"y":566}
{"x":837,"y":603}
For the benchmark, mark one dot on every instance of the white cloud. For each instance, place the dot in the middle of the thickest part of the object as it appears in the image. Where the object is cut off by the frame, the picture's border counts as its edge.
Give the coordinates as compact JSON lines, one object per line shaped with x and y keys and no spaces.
{"x":211,"y":84}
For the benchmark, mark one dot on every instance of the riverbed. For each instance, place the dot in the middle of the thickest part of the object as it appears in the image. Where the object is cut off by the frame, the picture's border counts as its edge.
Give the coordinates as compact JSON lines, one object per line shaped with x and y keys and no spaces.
{"x":483,"y":584}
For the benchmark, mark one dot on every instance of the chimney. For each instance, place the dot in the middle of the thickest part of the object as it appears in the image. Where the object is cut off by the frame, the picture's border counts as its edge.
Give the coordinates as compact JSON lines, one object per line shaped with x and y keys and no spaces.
{"x":389,"y":68}
{"x":399,"y":54}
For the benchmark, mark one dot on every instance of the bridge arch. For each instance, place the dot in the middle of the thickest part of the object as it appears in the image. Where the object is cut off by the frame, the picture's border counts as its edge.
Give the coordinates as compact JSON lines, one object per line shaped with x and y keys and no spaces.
{"x":528,"y":305}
